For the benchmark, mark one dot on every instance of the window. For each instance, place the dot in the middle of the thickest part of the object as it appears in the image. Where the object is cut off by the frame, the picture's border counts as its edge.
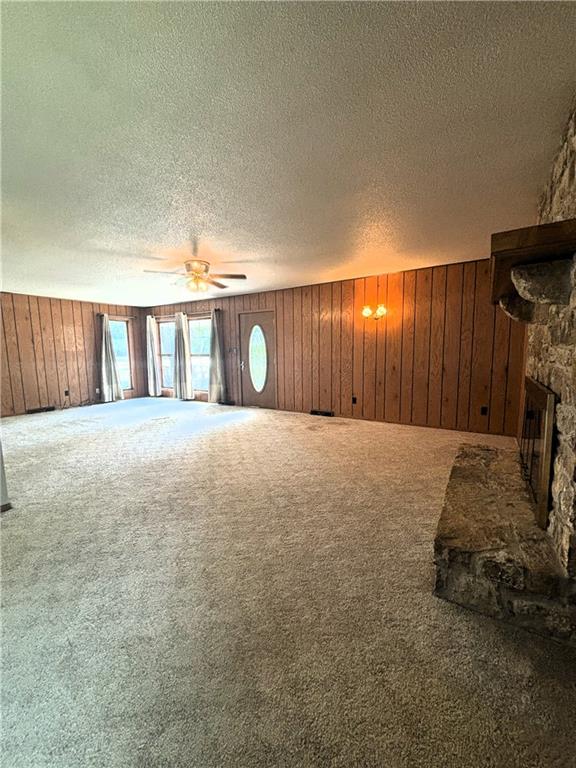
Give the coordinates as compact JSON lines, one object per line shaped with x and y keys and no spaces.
{"x":257,"y":358}
{"x":167,"y":331}
{"x":119,"y":333}
{"x":199,"y":330}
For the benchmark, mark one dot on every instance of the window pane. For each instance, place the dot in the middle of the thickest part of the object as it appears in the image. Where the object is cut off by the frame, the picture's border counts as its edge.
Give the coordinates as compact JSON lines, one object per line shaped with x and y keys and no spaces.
{"x":167,"y":331}
{"x":119,"y":333}
{"x":199,"y":336}
{"x":257,"y":358}
{"x":200,"y":372}
{"x":167,"y":371}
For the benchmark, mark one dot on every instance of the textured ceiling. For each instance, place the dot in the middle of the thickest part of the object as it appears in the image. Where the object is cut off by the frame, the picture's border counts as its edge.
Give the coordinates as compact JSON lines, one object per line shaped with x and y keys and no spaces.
{"x":301,"y":142}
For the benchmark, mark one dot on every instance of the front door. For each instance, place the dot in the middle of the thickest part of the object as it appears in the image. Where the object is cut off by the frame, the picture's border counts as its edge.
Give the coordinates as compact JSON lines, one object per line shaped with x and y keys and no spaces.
{"x":258,"y":358}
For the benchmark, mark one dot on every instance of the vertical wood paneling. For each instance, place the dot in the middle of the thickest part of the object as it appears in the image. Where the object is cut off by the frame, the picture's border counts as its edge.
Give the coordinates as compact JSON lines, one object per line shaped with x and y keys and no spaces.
{"x":297,"y":321}
{"x":499,"y":372}
{"x":315,"y":322}
{"x":26,"y":351}
{"x":38,"y":352}
{"x":358,"y":349}
{"x":438,"y":356}
{"x":50,"y":363}
{"x":89,"y":350}
{"x":306,"y":349}
{"x":336,"y":345}
{"x":51,"y":345}
{"x":7,"y":402}
{"x":325,"y":349}
{"x":346,"y":348}
{"x":451,"y":364}
{"x":515,"y":378}
{"x":370,"y":331}
{"x":466,"y":333}
{"x":421,"y":380}
{"x":482,"y":346}
{"x":280,"y":350}
{"x":394,"y":304}
{"x":61,"y":368}
{"x":70,"y":352}
{"x":407,"y":347}
{"x":80,"y":353}
{"x":288,"y":303}
{"x":381,"y":333}
{"x":13,"y":356}
{"x":437,"y":319}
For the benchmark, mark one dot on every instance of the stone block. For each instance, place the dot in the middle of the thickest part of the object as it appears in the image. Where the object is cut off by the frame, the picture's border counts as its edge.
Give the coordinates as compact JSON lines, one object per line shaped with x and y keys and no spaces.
{"x":491,"y":556}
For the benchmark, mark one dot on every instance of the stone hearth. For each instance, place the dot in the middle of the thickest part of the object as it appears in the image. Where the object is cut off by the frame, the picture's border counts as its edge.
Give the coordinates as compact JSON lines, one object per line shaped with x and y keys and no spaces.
{"x":490,"y":554}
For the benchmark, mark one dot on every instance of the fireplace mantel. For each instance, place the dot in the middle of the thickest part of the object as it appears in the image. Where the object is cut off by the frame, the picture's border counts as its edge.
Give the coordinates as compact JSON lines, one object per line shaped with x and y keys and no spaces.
{"x":520,"y":257}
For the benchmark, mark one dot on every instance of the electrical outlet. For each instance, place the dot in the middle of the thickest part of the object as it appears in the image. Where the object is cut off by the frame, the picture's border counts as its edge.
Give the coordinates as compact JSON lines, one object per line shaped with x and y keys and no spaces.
{"x":354,"y":399}
{"x":484,"y":410}
{"x":66,"y":393}
{"x":97,"y":390}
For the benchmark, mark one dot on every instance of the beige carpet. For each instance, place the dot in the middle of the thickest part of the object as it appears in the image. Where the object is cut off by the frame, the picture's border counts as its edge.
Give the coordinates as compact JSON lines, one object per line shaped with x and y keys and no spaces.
{"x":201,"y":587}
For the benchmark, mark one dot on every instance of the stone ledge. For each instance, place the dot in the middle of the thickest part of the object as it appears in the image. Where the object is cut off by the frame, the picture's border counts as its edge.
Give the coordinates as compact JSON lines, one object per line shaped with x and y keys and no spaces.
{"x":490,"y":554}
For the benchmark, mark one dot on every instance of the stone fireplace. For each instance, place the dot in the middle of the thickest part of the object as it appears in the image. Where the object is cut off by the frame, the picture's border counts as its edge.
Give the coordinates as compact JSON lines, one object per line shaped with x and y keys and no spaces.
{"x":490,"y":554}
{"x":551,"y":360}
{"x":551,"y":352}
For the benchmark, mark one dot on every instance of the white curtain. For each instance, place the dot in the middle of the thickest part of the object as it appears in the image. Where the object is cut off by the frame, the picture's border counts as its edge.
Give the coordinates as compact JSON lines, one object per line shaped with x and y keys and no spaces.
{"x":110,"y":383}
{"x":154,"y":378}
{"x":217,"y":389}
{"x":182,"y":370}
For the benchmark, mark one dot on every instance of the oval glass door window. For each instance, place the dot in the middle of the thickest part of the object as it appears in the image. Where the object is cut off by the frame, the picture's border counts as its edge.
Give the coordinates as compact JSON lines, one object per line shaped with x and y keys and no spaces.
{"x":257,"y":358}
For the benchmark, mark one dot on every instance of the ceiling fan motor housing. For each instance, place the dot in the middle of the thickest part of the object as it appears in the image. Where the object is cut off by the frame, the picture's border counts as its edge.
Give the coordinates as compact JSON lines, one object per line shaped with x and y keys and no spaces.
{"x":197,"y":268}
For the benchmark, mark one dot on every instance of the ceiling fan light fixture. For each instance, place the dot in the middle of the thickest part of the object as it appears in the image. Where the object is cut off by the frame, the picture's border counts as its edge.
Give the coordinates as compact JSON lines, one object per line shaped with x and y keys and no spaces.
{"x":196,"y":284}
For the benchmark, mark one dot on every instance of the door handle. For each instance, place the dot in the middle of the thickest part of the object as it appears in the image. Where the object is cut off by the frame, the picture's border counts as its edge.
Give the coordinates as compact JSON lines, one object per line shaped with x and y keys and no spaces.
{"x":241,"y":365}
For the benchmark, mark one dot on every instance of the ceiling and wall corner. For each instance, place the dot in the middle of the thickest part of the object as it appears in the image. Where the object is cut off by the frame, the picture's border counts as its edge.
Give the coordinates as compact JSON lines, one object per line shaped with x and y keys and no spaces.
{"x":301,"y":142}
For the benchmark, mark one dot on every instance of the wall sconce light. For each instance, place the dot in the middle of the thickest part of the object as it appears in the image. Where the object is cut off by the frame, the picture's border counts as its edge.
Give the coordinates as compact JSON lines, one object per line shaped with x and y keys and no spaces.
{"x":376,"y":314}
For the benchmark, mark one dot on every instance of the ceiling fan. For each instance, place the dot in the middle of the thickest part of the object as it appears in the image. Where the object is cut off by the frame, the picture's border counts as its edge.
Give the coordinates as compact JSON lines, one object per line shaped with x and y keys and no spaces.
{"x":197,"y":272}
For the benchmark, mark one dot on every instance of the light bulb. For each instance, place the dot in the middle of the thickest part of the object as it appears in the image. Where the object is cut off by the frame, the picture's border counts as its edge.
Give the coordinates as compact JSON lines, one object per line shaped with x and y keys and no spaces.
{"x":202,"y":286}
{"x":367,"y":311}
{"x":381,"y":310}
{"x":193,"y":285}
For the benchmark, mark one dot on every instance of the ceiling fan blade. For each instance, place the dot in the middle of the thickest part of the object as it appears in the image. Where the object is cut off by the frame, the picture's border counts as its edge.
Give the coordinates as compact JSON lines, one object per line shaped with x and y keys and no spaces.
{"x":213,"y":282}
{"x":131,"y":254}
{"x":161,"y":272}
{"x":229,"y":277}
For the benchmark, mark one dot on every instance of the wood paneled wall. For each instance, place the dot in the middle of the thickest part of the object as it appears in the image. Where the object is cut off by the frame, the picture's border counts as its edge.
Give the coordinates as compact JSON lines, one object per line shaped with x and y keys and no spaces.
{"x":443,"y":356}
{"x":50,"y":346}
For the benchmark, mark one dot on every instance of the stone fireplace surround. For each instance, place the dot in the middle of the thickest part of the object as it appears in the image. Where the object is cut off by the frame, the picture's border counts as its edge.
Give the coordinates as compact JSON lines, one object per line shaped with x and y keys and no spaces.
{"x":490,"y":555}
{"x":551,"y":359}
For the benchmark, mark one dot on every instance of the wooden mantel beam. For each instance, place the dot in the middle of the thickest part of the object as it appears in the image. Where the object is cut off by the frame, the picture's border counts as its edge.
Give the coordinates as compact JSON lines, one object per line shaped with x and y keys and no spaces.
{"x":529,"y":245}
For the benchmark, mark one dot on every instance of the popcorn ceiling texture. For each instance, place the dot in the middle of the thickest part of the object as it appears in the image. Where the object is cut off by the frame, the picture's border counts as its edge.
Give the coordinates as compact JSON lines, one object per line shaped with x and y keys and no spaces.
{"x":551,"y":355}
{"x":304,"y":142}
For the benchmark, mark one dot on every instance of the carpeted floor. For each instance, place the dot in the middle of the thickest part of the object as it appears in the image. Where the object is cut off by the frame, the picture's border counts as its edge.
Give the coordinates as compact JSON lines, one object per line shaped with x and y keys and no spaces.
{"x":189,"y":586}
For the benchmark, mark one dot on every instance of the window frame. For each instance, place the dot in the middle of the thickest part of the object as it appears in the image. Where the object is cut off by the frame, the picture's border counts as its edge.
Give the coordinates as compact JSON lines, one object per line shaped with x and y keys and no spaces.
{"x":126,"y":321}
{"x":191,"y":319}
{"x":159,"y":321}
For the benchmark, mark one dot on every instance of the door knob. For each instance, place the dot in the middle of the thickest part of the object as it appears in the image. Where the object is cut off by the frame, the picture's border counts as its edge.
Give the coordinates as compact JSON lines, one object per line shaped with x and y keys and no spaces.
{"x":241,"y":365}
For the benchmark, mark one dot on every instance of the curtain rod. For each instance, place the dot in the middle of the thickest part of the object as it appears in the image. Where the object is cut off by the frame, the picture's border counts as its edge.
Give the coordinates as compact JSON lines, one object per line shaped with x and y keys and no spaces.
{"x":113,"y":315}
{"x":188,"y":314}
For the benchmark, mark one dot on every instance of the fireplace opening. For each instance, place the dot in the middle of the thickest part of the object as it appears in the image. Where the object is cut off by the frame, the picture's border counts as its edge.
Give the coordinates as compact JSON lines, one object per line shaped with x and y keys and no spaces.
{"x":536,"y":445}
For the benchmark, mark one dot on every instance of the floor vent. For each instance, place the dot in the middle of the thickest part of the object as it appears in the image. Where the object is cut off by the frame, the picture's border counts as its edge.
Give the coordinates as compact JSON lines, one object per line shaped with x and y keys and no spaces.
{"x":321,"y":413}
{"x":42,"y":410}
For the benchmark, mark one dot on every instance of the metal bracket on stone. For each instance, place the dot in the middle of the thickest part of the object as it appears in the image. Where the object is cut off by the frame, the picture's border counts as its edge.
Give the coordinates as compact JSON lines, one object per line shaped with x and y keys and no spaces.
{"x":544,"y":283}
